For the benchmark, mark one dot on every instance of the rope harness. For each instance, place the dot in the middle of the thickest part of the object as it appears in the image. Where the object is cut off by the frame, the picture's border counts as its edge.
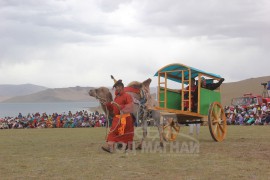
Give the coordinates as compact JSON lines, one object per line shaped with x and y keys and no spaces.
{"x":104,"y":101}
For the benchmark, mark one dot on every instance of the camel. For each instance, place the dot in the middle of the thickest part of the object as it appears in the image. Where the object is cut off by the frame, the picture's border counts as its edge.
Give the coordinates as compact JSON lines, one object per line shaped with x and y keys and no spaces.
{"x":143,"y":102}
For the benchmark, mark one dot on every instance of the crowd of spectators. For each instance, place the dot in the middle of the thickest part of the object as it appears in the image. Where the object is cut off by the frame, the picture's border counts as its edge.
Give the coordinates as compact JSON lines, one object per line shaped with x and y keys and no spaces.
{"x":251,"y":115}
{"x":55,"y":120}
{"x":235,"y":115}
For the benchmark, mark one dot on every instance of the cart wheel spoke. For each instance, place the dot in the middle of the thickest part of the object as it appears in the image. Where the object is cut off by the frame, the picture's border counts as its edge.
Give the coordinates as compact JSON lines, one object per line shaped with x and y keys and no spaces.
{"x":215,"y":129}
{"x":221,"y":128}
{"x":218,"y":132}
{"x":170,"y":130}
{"x":214,"y":115}
{"x":166,"y":126}
{"x":176,"y":128}
{"x":215,"y":121}
{"x":219,"y":112}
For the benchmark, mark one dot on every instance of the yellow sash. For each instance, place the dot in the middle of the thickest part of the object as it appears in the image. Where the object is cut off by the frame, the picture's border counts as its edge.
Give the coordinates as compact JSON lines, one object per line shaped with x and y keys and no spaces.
{"x":123,"y":123}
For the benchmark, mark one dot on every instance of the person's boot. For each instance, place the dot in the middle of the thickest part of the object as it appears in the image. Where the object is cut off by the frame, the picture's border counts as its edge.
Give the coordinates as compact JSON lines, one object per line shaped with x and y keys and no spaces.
{"x":107,"y":148}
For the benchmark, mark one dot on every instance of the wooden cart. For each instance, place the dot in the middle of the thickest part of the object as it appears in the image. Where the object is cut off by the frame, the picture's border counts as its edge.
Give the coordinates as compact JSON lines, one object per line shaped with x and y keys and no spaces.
{"x":174,"y":93}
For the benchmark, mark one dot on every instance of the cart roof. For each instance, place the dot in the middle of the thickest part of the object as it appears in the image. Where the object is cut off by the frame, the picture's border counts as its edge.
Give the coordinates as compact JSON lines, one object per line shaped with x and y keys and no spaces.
{"x":177,"y":76}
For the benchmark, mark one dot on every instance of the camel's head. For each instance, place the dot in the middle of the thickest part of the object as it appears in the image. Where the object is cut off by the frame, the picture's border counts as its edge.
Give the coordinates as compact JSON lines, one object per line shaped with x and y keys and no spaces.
{"x":151,"y":102}
{"x":101,"y":93}
{"x":104,"y":95}
{"x":146,"y":84}
{"x":92,"y":92}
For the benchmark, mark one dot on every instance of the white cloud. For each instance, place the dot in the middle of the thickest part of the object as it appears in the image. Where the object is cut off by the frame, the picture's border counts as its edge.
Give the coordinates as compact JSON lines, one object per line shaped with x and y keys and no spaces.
{"x":59,"y":43}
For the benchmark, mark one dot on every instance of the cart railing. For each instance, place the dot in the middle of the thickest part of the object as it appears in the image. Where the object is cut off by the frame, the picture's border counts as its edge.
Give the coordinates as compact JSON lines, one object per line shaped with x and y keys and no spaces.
{"x":163,"y":88}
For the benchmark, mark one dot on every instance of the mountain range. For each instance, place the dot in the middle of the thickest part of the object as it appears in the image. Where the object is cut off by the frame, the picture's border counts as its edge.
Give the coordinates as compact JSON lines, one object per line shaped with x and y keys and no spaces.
{"x":8,"y":91}
{"x":53,"y":95}
{"x":33,"y":93}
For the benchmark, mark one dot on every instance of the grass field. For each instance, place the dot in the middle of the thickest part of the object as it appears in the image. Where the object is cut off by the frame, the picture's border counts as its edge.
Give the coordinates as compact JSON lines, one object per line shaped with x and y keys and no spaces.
{"x":76,"y":154}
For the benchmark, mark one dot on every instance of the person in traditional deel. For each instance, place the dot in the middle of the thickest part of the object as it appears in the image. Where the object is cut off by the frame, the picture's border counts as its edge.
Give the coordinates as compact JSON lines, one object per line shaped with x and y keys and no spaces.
{"x":122,"y":128}
{"x":211,"y":86}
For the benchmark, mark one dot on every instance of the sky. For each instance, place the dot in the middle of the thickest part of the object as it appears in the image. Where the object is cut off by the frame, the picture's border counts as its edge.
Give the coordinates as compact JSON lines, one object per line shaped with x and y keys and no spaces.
{"x":67,"y":43}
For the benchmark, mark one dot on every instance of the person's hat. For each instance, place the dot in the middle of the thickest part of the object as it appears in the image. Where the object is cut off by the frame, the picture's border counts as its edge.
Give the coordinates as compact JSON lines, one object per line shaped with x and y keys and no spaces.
{"x":117,"y":83}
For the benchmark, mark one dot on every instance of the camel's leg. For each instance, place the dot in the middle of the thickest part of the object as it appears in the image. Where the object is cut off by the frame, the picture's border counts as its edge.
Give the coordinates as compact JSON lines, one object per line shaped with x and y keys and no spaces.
{"x":144,"y":124}
{"x":144,"y":128}
{"x":158,"y":121}
{"x":160,"y":130}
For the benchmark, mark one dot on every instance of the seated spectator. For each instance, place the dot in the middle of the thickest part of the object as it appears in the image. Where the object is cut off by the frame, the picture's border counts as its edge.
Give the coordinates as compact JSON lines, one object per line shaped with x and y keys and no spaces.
{"x":236,"y":110}
{"x":255,"y":109}
{"x":20,"y":116}
{"x":251,"y":120}
{"x":236,"y":122}
{"x":246,"y":117}
{"x":97,"y":123}
{"x":250,"y":109}
{"x":241,"y":118}
{"x":267,"y":117}
{"x":257,"y":120}
{"x":230,"y":118}
{"x":226,"y":110}
{"x":263,"y":120}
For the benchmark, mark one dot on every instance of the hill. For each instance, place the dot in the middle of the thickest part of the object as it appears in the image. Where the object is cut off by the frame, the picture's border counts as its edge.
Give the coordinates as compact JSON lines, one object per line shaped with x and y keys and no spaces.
{"x":7,"y":90}
{"x":55,"y":95}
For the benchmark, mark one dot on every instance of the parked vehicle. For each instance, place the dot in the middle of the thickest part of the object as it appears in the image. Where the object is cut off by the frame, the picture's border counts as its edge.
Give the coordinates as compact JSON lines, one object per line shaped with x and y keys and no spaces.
{"x":249,"y":99}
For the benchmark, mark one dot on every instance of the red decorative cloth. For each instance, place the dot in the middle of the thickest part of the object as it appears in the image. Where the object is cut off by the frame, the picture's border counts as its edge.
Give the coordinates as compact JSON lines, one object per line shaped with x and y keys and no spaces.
{"x":132,"y":89}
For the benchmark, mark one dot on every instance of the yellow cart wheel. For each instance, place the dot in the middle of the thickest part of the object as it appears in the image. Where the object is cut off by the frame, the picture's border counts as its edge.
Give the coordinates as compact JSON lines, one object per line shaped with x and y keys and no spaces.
{"x":170,"y":130}
{"x":217,"y":122}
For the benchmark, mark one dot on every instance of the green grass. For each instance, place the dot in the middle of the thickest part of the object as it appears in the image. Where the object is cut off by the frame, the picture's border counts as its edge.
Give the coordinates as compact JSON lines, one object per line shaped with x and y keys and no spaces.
{"x":76,"y":154}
